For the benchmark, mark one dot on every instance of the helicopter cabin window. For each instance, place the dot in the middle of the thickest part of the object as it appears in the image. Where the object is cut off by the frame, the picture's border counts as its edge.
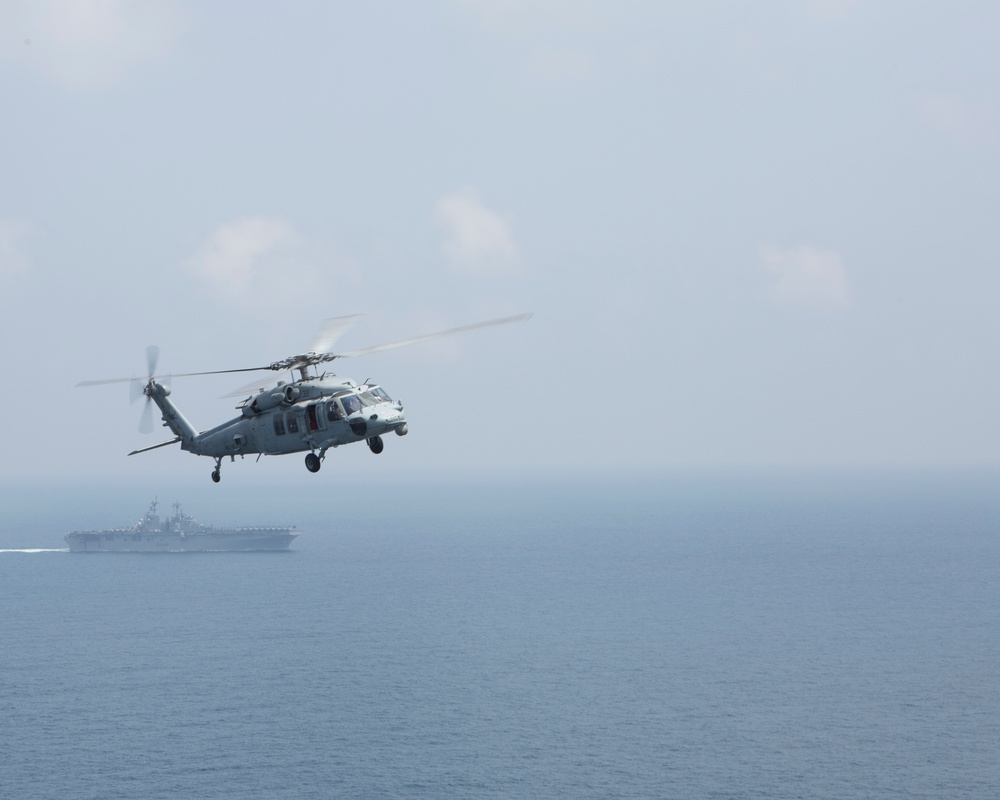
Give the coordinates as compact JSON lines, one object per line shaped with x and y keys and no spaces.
{"x":279,"y":425}
{"x":333,"y":412}
{"x":293,"y":423}
{"x":351,"y":403}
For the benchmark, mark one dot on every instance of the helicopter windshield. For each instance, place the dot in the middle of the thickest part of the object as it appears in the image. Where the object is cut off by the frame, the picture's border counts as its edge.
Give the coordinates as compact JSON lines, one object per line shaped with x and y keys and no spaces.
{"x":352,"y":403}
{"x":373,"y":397}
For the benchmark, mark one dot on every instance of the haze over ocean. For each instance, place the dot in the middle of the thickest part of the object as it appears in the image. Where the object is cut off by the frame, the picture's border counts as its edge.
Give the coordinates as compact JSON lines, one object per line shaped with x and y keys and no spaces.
{"x":817,"y":635}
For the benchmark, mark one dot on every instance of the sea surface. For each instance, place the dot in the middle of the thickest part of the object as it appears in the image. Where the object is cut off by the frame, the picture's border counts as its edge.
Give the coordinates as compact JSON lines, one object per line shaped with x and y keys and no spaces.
{"x":794,"y":636}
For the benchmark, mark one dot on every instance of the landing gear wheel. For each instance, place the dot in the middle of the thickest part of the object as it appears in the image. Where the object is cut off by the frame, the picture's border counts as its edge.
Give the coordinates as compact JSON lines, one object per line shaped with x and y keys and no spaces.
{"x":375,"y":444}
{"x":313,"y":463}
{"x":216,"y":475}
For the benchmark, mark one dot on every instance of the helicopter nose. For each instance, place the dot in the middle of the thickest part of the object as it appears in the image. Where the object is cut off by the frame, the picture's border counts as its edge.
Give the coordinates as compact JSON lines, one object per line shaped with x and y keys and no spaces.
{"x":397,"y":422}
{"x":394,"y":415}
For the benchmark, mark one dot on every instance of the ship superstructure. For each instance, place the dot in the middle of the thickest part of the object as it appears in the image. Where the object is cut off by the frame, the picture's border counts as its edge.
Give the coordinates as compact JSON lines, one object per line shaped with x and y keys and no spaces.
{"x":179,"y":533}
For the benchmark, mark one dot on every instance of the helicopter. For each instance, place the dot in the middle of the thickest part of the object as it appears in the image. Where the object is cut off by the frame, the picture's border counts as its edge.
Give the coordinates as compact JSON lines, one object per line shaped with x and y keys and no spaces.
{"x":312,"y":412}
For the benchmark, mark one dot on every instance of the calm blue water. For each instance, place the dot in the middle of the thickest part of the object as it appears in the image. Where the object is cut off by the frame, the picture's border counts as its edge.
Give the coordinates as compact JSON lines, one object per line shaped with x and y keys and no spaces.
{"x":700,"y":638}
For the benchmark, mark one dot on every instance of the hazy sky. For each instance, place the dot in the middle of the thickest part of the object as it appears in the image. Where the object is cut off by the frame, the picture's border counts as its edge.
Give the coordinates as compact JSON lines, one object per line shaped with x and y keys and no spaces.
{"x":751,"y":233}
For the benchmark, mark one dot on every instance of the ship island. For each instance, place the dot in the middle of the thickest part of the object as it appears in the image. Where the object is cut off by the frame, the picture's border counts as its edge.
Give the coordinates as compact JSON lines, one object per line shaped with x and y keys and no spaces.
{"x":179,"y":533}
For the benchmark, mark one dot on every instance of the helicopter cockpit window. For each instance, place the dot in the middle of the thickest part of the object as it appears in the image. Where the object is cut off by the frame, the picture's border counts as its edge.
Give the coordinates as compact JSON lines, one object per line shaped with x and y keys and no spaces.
{"x":351,"y":403}
{"x":381,"y":394}
{"x":333,"y":412}
{"x":368,"y":399}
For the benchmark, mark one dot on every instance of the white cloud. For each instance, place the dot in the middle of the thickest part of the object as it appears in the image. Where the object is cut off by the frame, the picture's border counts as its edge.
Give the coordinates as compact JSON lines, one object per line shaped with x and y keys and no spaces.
{"x":806,"y":276}
{"x":13,"y":252}
{"x":476,"y":238}
{"x":958,"y":119}
{"x":86,"y":44}
{"x":263,"y":262}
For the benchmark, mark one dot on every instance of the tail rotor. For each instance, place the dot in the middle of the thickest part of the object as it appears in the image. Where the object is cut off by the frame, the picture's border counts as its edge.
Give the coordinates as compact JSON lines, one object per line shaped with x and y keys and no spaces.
{"x":137,"y":388}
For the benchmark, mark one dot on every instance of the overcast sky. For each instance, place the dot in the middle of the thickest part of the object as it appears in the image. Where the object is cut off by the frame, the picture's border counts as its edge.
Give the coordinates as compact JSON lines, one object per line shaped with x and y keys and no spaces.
{"x":751,"y":233}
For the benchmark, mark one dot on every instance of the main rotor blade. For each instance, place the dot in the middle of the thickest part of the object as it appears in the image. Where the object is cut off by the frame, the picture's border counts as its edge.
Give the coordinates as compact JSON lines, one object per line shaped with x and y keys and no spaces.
{"x":212,"y":372}
{"x":249,"y":388}
{"x":331,"y":332}
{"x":416,"y":340}
{"x":169,"y":375}
{"x":112,"y":380}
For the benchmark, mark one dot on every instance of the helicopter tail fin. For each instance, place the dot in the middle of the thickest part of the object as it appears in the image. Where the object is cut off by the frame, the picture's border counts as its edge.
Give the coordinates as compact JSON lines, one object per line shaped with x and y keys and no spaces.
{"x":172,"y":417}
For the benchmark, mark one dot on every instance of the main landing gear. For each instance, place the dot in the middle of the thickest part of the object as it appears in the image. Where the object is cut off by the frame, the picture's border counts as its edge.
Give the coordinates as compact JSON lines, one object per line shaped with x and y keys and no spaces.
{"x":217,"y":472}
{"x":314,"y":462}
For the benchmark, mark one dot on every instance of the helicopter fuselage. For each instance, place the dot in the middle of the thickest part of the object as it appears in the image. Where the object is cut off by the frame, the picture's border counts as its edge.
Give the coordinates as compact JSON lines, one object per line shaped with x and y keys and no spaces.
{"x":309,"y":415}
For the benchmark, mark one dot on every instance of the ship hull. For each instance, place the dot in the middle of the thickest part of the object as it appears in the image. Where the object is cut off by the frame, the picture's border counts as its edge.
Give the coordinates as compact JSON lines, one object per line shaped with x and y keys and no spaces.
{"x":180,"y":533}
{"x":127,"y":542}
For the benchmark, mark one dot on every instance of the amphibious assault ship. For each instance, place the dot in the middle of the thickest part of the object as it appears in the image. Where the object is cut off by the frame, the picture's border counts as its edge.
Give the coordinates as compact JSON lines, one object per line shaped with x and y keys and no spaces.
{"x":179,"y":533}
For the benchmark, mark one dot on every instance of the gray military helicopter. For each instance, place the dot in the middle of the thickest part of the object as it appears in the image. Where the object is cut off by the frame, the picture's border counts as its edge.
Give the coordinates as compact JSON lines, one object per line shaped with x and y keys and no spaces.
{"x":311,"y":412}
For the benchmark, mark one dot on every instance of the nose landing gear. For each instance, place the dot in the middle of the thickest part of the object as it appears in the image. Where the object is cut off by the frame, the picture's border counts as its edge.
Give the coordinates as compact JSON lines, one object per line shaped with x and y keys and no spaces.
{"x":313,"y":462}
{"x":217,"y":472}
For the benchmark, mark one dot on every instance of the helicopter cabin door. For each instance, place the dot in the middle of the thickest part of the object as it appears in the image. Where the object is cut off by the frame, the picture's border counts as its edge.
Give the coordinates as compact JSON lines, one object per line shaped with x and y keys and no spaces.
{"x":313,"y":418}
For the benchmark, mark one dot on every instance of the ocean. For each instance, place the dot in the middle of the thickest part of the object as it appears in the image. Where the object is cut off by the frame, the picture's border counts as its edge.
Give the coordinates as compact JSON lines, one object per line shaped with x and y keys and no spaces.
{"x":715,"y":636}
